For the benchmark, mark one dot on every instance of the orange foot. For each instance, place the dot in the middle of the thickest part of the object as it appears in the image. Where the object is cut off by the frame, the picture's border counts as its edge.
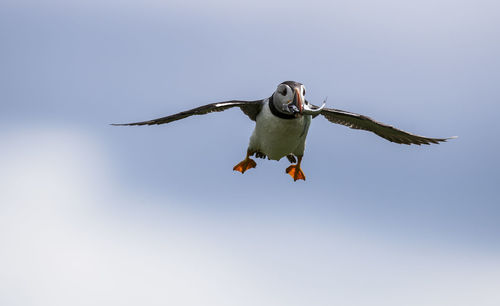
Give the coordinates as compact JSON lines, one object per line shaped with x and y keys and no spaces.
{"x":295,"y":172}
{"x":246,"y":164}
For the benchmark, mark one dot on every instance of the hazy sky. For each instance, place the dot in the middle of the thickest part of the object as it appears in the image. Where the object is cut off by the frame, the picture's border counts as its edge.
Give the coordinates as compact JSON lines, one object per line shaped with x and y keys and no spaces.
{"x":102,"y":215}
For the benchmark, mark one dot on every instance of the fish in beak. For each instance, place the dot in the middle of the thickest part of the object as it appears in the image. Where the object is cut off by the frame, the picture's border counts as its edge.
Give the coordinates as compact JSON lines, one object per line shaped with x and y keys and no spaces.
{"x":313,"y":110}
{"x":298,"y":101}
{"x":299,"y":107}
{"x":296,"y":106}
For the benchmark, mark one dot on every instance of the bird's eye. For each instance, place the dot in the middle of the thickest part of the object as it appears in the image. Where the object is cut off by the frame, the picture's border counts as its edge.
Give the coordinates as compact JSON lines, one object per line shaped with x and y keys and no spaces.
{"x":283,"y":91}
{"x":303,"y":91}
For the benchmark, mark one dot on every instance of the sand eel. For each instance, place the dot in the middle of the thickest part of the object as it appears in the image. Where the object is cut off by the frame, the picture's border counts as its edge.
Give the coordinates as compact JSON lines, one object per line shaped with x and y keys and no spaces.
{"x":282,"y":123}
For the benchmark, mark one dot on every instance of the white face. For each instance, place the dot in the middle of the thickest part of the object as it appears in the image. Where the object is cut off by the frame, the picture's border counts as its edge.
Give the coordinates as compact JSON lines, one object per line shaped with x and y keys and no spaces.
{"x":287,"y":97}
{"x":285,"y":93}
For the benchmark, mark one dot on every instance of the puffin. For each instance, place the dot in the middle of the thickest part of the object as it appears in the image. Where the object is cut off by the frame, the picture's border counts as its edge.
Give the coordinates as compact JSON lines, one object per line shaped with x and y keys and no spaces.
{"x":282,"y":122}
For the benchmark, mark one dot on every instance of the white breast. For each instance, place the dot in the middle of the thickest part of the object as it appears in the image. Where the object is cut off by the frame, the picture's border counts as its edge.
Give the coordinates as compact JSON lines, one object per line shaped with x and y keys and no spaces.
{"x":276,"y":137}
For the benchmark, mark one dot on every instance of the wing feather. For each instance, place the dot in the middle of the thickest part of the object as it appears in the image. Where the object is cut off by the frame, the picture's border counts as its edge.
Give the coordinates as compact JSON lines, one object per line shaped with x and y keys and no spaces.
{"x":250,"y":108}
{"x":360,"y":122}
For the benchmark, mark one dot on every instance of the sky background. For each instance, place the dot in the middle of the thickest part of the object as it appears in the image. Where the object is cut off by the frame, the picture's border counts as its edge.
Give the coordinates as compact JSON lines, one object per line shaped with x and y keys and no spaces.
{"x":92,"y":214}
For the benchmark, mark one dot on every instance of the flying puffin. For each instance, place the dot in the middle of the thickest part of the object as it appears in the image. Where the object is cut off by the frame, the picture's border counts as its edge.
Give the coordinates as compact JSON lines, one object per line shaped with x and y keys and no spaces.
{"x":282,"y":122}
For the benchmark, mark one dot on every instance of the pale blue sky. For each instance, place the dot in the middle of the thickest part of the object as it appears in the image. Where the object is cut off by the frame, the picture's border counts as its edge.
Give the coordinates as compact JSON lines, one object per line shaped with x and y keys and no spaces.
{"x":368,"y":209}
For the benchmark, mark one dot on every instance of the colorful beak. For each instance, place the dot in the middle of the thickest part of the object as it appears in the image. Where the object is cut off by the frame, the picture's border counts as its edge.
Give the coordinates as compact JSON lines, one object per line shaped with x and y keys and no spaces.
{"x":297,"y":100}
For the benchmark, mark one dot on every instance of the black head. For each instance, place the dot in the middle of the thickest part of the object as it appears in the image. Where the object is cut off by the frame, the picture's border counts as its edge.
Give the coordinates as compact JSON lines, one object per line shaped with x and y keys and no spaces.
{"x":289,"y":98}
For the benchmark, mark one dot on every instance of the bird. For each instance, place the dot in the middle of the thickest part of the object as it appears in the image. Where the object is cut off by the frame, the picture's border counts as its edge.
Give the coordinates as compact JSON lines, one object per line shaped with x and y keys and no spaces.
{"x":282,"y":122}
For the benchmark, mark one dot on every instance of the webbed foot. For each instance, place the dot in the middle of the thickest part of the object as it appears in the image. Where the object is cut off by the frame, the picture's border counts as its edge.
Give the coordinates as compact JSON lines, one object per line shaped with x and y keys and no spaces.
{"x":295,"y":171}
{"x":245,"y":164}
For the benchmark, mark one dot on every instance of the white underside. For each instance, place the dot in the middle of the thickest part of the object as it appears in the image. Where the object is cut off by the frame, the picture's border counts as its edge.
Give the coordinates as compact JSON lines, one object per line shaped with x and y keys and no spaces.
{"x":276,"y":137}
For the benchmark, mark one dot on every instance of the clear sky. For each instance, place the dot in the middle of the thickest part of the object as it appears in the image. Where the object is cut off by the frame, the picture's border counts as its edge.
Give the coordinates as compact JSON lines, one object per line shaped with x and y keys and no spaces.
{"x":102,"y":215}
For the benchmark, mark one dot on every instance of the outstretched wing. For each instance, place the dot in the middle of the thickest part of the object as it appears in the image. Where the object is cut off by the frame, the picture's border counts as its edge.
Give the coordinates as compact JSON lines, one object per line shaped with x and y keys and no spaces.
{"x":360,"y":122}
{"x":250,"y":108}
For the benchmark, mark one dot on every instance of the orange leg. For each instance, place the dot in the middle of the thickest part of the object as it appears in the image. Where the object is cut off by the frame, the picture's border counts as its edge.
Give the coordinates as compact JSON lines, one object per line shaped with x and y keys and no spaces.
{"x":295,"y":171}
{"x":246,"y":164}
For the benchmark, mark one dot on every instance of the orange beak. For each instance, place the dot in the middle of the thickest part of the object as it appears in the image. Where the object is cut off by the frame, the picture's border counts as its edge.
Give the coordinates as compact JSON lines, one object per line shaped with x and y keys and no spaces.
{"x":297,"y":100}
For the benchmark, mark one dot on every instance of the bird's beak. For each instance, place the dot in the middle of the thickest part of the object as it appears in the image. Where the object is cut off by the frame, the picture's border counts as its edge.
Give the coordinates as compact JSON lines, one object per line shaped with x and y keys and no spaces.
{"x":298,"y":101}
